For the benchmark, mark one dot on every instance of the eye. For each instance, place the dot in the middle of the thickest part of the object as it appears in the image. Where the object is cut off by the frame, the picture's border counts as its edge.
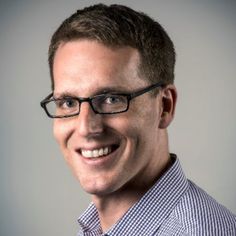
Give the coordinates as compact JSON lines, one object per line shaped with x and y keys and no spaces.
{"x":113,"y":99}
{"x":66,"y":103}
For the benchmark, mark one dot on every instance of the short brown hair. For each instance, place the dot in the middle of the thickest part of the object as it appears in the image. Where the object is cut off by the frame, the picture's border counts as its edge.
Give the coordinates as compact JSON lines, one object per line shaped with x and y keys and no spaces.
{"x":117,"y":26}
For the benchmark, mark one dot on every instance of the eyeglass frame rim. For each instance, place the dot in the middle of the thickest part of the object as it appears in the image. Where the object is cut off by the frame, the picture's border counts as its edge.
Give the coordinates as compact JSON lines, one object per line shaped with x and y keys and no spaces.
{"x":129,"y":97}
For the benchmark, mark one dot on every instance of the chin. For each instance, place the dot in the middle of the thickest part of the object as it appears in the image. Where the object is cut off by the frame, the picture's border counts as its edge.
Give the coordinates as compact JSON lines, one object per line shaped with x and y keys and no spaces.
{"x":97,"y":187}
{"x":97,"y":190}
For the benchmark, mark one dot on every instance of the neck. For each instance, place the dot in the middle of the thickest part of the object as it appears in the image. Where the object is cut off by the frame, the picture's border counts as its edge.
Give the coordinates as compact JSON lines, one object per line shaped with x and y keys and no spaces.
{"x":111,"y":208}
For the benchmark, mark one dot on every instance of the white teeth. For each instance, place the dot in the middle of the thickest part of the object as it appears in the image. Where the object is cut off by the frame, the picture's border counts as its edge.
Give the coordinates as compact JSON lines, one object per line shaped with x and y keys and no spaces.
{"x":96,"y":152}
{"x":100,"y":152}
{"x":86,"y":153}
{"x":106,"y":150}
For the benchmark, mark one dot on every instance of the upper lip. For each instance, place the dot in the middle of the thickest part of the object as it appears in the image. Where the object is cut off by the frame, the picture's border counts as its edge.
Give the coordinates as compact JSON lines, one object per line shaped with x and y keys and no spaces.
{"x":94,"y":147}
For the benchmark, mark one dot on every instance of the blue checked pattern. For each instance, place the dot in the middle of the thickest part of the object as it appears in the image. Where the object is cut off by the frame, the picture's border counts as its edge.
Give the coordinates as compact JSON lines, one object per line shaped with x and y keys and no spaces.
{"x":173,"y":206}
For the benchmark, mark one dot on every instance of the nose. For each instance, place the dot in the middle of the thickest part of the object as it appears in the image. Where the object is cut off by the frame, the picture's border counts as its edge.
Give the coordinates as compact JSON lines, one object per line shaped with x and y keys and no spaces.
{"x":88,"y":122}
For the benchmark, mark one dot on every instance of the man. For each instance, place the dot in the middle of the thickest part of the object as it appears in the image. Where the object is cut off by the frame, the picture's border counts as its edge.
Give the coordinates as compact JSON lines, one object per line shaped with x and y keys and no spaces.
{"x":113,"y":97}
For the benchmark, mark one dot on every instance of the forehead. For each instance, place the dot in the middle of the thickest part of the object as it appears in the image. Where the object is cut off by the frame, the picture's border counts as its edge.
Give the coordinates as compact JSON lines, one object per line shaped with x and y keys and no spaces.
{"x":85,"y":65}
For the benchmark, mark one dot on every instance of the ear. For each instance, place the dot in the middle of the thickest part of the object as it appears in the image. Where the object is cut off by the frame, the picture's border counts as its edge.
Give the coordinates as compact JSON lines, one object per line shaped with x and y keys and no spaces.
{"x":168,"y":103}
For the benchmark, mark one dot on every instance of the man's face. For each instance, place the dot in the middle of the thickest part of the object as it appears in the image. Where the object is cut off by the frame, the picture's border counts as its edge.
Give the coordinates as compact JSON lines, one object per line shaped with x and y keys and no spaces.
{"x":129,"y":143}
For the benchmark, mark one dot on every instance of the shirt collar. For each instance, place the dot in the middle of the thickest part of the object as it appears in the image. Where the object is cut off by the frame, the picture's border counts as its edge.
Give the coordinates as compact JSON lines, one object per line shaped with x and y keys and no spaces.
{"x":89,"y":220}
{"x":146,"y":216}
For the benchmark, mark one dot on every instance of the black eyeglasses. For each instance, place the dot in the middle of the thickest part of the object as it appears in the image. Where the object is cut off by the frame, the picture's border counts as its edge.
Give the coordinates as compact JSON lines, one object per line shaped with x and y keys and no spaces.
{"x":108,"y":103}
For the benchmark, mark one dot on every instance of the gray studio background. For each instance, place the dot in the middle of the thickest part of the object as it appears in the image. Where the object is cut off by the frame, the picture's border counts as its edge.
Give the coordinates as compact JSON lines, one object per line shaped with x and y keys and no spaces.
{"x":38,"y":194}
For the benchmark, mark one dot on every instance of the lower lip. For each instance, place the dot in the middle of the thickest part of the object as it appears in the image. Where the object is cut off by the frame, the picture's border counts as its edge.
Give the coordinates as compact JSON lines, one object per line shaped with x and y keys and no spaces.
{"x":100,"y":161}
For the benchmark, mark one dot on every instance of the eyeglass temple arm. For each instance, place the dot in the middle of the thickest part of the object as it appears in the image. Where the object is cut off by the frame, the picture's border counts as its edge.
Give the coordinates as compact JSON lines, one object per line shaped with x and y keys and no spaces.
{"x":140,"y":92}
{"x":45,"y":99}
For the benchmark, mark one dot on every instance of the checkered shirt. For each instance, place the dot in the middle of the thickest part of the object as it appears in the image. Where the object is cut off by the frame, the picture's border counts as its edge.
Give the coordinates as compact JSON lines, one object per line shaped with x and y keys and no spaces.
{"x":173,"y":206}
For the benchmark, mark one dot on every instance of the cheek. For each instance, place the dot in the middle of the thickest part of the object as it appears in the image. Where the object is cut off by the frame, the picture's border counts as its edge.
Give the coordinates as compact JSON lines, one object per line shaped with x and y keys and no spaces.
{"x":144,"y":127}
{"x":123,"y":124}
{"x":61,"y":132}
{"x":128,"y":129}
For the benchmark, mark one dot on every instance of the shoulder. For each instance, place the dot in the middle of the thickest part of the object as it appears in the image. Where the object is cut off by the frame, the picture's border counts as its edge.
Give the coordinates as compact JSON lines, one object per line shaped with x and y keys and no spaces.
{"x":199,"y":214}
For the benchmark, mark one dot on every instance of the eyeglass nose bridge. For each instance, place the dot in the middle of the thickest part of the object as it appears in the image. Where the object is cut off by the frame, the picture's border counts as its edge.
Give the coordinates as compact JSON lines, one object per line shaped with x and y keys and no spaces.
{"x":89,"y":100}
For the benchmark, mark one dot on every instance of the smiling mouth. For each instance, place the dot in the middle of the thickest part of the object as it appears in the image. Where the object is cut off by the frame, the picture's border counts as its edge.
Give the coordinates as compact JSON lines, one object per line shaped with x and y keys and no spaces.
{"x":98,"y":153}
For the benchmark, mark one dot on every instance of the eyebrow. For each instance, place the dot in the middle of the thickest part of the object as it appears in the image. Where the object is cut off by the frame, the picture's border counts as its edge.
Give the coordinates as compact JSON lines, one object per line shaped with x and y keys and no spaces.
{"x":103,"y":90}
